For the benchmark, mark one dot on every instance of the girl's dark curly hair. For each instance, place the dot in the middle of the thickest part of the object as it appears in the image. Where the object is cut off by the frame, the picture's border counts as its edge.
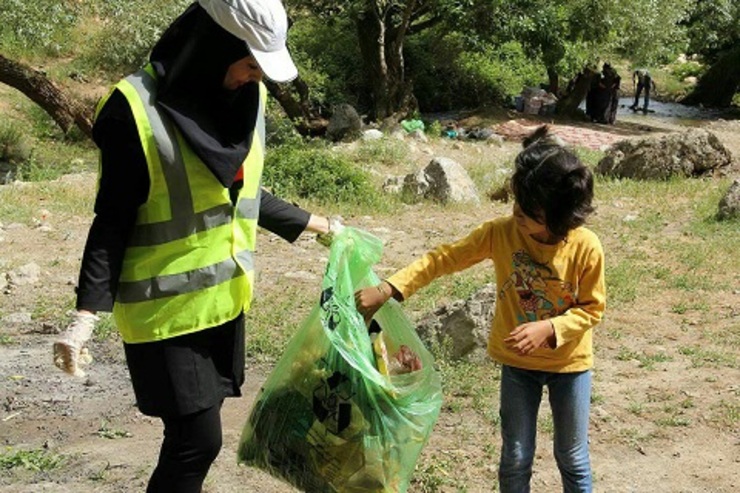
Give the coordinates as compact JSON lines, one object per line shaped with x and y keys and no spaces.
{"x":551,"y":181}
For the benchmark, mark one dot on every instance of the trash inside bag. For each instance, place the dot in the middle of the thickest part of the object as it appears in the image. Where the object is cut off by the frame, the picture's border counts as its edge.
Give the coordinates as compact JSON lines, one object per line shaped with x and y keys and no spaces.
{"x":347,"y":408}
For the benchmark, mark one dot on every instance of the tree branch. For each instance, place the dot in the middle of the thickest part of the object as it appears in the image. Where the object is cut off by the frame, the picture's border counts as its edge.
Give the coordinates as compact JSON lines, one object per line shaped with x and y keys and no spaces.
{"x":65,"y":110}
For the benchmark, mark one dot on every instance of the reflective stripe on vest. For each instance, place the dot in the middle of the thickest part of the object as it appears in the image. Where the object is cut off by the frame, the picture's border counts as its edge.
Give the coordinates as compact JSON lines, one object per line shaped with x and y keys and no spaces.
{"x":189,"y":262}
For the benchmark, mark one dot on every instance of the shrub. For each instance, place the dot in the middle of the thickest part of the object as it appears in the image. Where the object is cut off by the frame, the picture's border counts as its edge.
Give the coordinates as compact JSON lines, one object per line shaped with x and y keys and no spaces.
{"x":687,"y":69}
{"x":448,"y":74}
{"x":38,"y":24}
{"x":13,"y":146}
{"x":130,"y":29}
{"x":316,"y":173}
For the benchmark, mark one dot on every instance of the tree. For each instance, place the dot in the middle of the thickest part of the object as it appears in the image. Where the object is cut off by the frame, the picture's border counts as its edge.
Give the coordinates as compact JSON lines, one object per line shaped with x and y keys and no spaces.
{"x":64,"y":109}
{"x":714,"y":34}
{"x":382,"y":28}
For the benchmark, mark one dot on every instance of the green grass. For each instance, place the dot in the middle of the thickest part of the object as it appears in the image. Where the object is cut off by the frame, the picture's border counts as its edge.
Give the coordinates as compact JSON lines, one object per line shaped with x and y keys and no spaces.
{"x":385,"y":152}
{"x":105,"y":431}
{"x":38,"y":460}
{"x":647,"y":361}
{"x":276,"y":316}
{"x":706,"y":357}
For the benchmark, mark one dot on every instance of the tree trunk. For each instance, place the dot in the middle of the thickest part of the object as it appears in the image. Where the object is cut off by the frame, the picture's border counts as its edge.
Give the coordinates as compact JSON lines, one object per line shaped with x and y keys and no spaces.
{"x":718,"y":85}
{"x":381,"y":46}
{"x":306,"y":120}
{"x":553,"y":80}
{"x":568,"y":104}
{"x":65,"y":110}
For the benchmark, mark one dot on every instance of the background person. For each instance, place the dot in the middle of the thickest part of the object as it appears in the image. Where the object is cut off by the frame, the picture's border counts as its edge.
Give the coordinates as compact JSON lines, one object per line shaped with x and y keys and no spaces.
{"x":641,"y":80}
{"x":171,"y":247}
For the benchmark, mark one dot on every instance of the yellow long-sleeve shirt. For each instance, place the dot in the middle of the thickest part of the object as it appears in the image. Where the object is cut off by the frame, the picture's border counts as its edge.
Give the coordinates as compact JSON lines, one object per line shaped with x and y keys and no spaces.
{"x":535,"y":281}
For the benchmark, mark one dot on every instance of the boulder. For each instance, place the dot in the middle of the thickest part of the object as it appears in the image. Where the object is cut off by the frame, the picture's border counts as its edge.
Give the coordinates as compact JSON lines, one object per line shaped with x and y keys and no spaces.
{"x":465,"y":323}
{"x":729,"y":205}
{"x":695,"y":152}
{"x":345,"y":124}
{"x":442,"y":180}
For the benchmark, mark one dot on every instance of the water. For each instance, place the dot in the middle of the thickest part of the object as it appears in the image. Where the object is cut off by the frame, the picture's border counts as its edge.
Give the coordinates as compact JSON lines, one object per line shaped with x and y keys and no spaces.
{"x":666,"y":111}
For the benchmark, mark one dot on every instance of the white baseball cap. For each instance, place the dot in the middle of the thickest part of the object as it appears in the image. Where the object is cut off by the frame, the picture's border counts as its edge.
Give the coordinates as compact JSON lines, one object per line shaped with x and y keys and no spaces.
{"x":263,"y":25}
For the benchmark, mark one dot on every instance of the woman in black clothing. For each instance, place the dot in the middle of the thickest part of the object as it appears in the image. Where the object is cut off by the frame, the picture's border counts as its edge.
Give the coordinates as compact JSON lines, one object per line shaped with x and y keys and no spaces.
{"x":205,"y":75}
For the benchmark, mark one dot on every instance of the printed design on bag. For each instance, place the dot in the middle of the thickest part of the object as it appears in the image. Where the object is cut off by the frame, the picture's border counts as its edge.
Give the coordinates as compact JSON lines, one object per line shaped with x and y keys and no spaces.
{"x":331,"y":309}
{"x":332,"y":402}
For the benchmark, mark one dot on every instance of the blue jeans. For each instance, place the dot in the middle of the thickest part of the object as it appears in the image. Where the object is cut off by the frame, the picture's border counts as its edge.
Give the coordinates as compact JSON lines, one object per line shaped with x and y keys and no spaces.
{"x":570,"y":399}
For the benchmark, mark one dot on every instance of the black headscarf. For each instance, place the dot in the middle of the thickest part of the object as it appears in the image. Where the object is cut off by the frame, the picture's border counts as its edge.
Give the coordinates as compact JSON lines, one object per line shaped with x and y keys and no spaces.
{"x":191,"y":59}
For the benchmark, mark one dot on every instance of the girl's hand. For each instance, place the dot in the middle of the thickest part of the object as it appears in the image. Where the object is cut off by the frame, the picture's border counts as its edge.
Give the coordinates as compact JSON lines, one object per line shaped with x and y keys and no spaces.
{"x":527,"y":337}
{"x":369,"y":300}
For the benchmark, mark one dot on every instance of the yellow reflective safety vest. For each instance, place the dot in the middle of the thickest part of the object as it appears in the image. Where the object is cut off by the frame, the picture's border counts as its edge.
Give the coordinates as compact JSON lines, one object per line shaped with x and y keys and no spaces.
{"x":189,"y":263}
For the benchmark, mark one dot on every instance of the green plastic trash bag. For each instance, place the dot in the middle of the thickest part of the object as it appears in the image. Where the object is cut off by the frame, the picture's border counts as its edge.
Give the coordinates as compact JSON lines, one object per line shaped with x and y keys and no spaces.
{"x":326,"y":419}
{"x":411,"y":125}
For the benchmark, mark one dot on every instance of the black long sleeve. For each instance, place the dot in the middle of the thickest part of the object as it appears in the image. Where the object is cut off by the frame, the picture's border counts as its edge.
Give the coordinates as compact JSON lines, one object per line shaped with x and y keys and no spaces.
{"x":123,"y":188}
{"x":282,"y":218}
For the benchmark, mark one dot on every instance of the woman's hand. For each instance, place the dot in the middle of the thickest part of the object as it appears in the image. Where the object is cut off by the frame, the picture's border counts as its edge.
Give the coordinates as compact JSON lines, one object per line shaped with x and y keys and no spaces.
{"x":529,"y":336}
{"x":369,"y":300}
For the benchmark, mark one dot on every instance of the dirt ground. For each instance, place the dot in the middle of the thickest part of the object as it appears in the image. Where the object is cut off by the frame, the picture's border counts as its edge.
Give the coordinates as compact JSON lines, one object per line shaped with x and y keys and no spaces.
{"x":111,"y":447}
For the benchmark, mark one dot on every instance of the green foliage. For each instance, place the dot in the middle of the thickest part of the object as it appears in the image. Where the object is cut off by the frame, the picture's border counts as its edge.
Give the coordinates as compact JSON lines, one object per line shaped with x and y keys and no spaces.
{"x":651,"y":32}
{"x":32,"y":460}
{"x":328,"y":54}
{"x":14,"y":147}
{"x":687,"y":69}
{"x":713,"y":27}
{"x":314,"y":172}
{"x":38,"y":25}
{"x":450,"y":73}
{"x":129,"y":30}
{"x":387,"y":152}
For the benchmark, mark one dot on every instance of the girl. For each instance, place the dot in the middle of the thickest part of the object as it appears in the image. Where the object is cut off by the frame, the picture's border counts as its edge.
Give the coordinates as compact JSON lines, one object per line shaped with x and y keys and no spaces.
{"x":550,"y":282}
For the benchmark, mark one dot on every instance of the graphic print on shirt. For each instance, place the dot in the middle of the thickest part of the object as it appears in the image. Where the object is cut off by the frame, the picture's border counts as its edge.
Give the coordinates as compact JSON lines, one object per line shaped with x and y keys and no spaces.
{"x":540,"y":293}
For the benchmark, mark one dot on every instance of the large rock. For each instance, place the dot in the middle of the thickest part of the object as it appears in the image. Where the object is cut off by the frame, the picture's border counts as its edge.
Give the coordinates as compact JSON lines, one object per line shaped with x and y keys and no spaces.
{"x":466,"y":323}
{"x":695,"y":152}
{"x":345,"y":124}
{"x":442,"y":180}
{"x":729,"y":206}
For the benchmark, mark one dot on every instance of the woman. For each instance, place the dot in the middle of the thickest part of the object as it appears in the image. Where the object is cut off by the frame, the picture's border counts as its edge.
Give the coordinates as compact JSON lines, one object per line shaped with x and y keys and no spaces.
{"x":170,"y":249}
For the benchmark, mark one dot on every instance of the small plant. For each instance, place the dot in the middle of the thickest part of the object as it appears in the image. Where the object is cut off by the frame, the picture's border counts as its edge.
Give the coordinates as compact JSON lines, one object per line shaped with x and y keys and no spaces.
{"x":105,"y":328}
{"x":636,"y":408}
{"x":434,"y":129}
{"x":106,"y":432}
{"x":33,"y":460}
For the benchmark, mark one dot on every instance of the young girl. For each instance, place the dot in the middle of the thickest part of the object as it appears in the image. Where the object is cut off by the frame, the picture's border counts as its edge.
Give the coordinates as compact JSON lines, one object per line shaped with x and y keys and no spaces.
{"x":550,"y":281}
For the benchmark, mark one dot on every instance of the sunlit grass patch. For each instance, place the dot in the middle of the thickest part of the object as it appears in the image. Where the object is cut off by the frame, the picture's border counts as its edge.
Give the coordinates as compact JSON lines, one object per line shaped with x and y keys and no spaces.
{"x":646,"y":360}
{"x":37,"y":460}
{"x":275,"y":317}
{"x":701,"y":356}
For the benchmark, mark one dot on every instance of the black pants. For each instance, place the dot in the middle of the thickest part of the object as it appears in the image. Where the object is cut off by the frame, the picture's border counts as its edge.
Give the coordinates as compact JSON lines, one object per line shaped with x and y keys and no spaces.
{"x":191,"y":444}
{"x":640,"y":87}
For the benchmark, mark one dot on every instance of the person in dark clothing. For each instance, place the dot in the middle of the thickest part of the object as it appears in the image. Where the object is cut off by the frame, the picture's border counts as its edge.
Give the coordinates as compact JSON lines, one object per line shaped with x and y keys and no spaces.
{"x":641,"y":80}
{"x":170,"y":249}
{"x":603,"y":96}
{"x":611,"y":81}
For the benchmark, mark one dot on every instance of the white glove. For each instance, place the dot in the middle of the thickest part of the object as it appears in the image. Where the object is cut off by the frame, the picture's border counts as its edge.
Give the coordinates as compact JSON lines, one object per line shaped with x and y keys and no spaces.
{"x":70,"y":351}
{"x":335,"y":227}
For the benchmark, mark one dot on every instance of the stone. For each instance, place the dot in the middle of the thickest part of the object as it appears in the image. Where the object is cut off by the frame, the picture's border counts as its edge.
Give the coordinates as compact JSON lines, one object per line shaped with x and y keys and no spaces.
{"x":465,"y":323}
{"x":729,"y":205}
{"x":345,"y":124}
{"x":442,"y":180}
{"x":696,"y":152}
